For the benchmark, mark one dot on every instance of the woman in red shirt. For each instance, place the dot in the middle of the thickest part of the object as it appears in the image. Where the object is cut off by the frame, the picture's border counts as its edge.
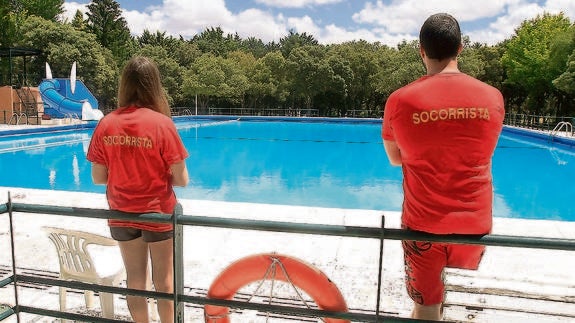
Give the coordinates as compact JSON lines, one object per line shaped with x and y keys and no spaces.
{"x":137,"y":153}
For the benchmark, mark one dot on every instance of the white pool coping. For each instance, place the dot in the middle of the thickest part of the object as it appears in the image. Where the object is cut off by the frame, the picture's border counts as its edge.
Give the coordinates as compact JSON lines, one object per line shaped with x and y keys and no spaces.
{"x":507,"y":278}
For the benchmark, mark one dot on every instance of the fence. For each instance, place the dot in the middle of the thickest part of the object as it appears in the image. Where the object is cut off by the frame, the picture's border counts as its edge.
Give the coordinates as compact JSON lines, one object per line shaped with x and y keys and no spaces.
{"x":179,"y":220}
{"x":535,"y":122}
{"x":284,"y":112}
{"x":288,"y":112}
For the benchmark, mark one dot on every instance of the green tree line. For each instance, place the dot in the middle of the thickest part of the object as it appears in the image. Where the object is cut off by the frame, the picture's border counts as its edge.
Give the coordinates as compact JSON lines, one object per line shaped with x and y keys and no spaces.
{"x":534,"y":68}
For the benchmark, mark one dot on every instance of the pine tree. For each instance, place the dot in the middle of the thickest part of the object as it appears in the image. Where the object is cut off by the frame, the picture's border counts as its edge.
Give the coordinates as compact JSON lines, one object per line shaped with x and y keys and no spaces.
{"x":111,"y":29}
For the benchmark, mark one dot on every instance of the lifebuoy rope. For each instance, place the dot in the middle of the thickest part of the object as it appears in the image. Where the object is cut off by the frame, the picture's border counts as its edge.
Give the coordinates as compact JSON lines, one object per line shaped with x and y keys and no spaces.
{"x":258,"y":269}
{"x":268,"y":274}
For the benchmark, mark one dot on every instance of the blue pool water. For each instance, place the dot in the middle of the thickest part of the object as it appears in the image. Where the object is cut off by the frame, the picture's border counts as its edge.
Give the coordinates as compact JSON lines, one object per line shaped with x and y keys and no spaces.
{"x":326,"y":164}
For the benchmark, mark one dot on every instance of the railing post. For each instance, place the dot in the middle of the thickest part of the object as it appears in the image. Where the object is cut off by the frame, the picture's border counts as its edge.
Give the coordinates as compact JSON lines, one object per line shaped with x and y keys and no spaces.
{"x":178,"y":264}
{"x":13,"y":246}
{"x":380,"y":269}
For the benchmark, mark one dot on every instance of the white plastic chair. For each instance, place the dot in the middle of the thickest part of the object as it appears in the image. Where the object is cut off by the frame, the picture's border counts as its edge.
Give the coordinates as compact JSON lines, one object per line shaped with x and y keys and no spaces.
{"x":76,"y":263}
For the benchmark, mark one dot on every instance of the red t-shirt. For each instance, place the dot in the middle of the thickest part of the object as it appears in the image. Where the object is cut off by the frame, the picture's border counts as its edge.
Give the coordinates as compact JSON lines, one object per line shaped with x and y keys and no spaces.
{"x":446,"y":127}
{"x":138,"y":146}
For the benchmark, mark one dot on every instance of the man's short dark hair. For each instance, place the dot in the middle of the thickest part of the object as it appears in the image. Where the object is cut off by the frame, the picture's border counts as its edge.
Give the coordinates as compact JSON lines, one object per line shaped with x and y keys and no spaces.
{"x":440,"y":36}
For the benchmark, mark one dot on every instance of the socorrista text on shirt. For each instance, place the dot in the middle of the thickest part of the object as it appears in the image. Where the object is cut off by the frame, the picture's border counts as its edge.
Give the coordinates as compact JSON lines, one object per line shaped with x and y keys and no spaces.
{"x":444,"y":114}
{"x":126,"y":140}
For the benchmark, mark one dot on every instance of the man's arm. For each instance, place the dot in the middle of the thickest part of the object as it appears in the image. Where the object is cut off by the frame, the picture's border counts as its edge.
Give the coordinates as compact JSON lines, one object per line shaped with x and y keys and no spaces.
{"x":180,"y":174}
{"x":393,"y":152}
{"x":99,"y":173}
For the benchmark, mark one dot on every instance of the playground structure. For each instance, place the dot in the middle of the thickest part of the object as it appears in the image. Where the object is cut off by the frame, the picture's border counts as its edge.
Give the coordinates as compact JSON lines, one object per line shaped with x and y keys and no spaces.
{"x":54,"y":100}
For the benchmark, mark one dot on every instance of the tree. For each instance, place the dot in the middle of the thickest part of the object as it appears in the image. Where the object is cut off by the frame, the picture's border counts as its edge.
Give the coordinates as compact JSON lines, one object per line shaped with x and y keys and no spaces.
{"x":493,"y":72}
{"x":212,"y":40}
{"x":185,"y":53}
{"x":204,"y":78}
{"x":560,"y":58}
{"x":273,"y":75}
{"x":295,"y":40}
{"x":262,"y":81}
{"x":527,"y":58}
{"x":111,"y":29}
{"x":9,"y":22}
{"x":158,"y":38}
{"x":470,"y":60}
{"x":236,"y":82}
{"x":79,"y":22}
{"x":13,"y":13}
{"x":364,"y":61}
{"x":332,"y":100}
{"x":566,"y":81}
{"x":242,"y":75}
{"x":171,"y":72}
{"x":563,"y":59}
{"x":47,"y":9}
{"x":254,"y":46}
{"x":182,"y":51}
{"x":311,"y":74}
{"x":398,"y":68}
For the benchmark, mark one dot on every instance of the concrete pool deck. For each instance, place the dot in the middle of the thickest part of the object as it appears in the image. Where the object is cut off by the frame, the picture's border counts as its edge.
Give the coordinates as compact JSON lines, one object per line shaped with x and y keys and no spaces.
{"x":512,"y":284}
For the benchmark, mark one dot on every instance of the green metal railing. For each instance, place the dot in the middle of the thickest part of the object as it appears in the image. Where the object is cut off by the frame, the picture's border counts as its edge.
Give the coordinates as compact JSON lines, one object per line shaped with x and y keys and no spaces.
{"x":178,"y":219}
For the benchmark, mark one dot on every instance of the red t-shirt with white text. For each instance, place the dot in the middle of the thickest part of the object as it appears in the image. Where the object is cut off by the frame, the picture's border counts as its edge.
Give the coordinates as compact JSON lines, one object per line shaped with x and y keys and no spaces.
{"x":446,"y":127}
{"x":138,"y":146}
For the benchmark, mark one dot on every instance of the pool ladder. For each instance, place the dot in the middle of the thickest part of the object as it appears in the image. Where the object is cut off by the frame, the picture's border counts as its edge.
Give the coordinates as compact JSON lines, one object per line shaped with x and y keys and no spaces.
{"x":71,"y":117}
{"x":562,"y":126}
{"x":16,"y":117}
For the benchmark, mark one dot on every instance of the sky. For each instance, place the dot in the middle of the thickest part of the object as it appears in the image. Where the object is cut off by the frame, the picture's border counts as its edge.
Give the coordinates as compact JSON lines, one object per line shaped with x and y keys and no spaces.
{"x":388,"y":22}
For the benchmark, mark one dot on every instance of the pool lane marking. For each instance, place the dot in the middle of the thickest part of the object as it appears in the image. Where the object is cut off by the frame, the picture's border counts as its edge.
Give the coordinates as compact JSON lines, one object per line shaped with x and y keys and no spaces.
{"x":326,"y":141}
{"x":207,"y":124}
{"x":54,"y":144}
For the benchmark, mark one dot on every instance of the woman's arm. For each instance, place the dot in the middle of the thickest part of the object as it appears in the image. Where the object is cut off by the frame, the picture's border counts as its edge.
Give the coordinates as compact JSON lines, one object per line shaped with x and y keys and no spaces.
{"x":180,"y":174}
{"x":99,"y":174}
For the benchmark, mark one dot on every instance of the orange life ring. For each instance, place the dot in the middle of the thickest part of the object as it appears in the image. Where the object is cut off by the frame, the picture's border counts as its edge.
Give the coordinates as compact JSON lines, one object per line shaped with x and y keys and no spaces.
{"x":253,"y":268}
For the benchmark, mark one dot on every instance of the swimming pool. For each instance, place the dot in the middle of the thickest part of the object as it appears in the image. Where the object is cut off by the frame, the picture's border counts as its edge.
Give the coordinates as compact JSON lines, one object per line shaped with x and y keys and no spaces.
{"x":336,"y":163}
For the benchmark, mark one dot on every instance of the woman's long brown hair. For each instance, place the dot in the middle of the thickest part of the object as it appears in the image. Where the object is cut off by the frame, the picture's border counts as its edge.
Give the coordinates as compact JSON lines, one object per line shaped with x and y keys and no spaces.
{"x":140,"y":85}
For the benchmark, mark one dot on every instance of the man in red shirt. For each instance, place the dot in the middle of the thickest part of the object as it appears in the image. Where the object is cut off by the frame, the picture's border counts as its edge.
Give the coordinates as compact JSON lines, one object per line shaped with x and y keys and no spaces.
{"x":442,"y":129}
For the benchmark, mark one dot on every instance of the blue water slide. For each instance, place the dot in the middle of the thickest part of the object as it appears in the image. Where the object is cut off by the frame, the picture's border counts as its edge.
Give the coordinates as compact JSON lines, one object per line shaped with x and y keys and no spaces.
{"x":60,"y":102}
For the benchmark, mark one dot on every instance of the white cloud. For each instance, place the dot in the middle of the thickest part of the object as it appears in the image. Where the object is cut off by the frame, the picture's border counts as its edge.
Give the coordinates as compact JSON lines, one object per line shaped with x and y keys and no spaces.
{"x":190,"y":17}
{"x":406,"y":16}
{"x":70,"y":9}
{"x":304,"y":24}
{"x":565,"y":6}
{"x":387,"y":22}
{"x":517,"y":12}
{"x":296,"y":3}
{"x":139,"y":21}
{"x":333,"y":34}
{"x":505,"y":26}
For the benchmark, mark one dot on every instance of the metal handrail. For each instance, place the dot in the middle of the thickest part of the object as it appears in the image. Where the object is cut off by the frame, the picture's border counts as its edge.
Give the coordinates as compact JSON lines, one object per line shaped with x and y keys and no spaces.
{"x":178,"y":219}
{"x":17,"y":117}
{"x":307,"y":228}
{"x":559,"y":127}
